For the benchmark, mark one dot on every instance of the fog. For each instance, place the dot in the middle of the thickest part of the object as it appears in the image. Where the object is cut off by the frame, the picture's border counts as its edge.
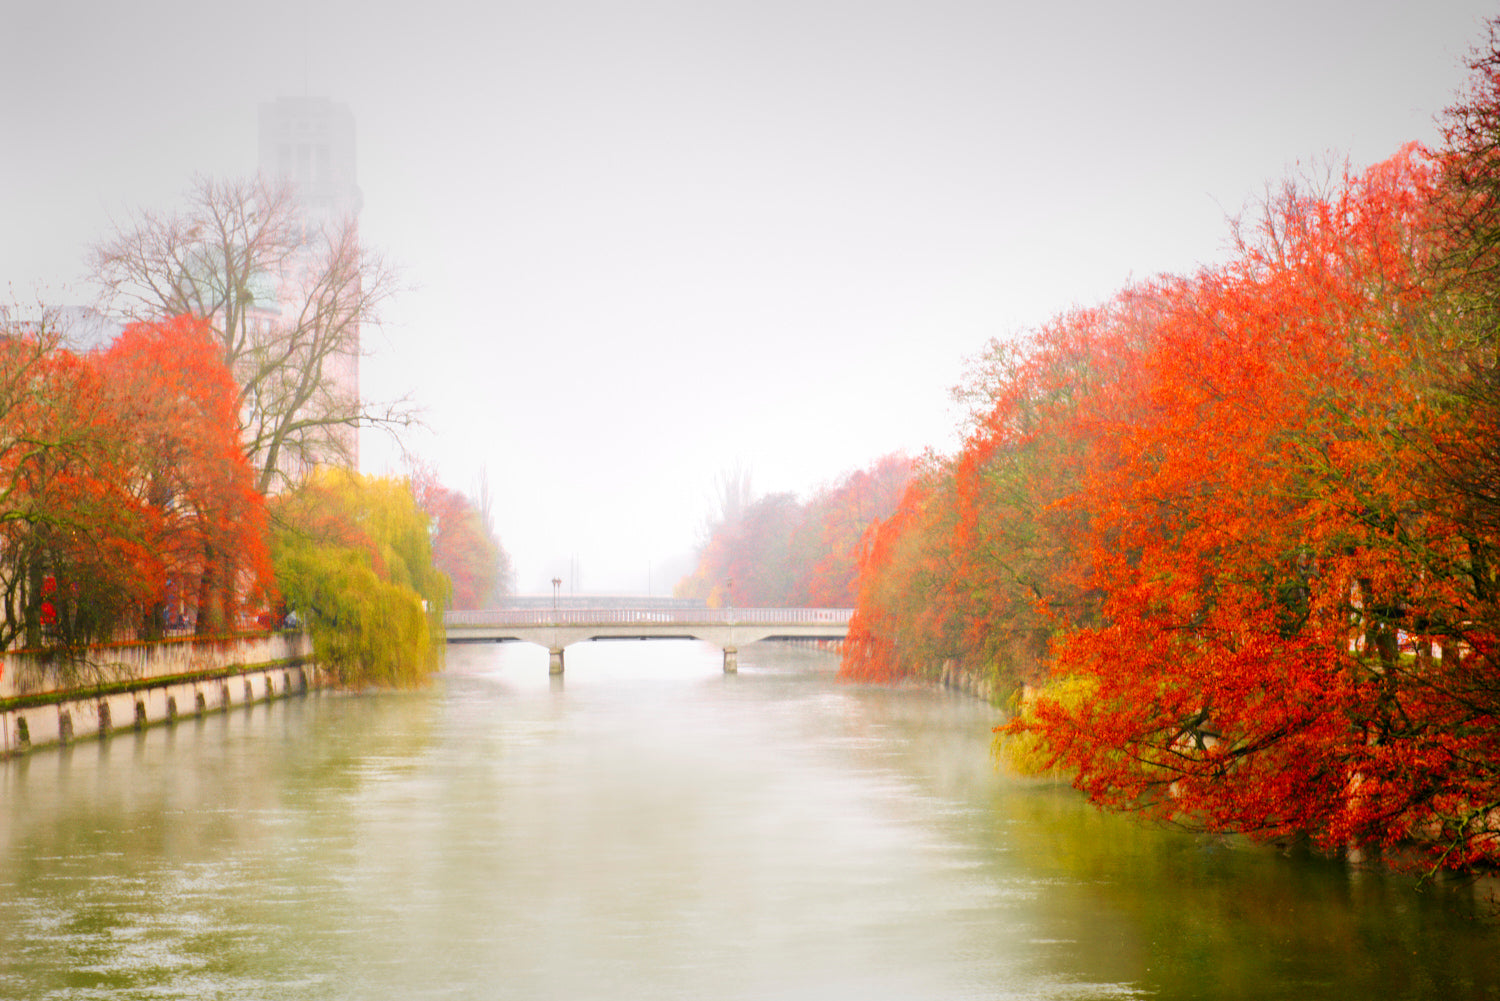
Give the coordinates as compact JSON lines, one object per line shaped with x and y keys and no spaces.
{"x":645,"y":242}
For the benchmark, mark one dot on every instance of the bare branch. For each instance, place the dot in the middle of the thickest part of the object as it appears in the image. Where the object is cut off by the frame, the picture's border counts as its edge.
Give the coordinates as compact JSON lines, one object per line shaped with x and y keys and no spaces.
{"x":286,"y":301}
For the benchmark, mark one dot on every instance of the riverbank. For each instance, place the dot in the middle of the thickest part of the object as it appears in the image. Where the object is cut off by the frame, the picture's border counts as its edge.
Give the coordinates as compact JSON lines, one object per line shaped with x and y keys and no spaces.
{"x":955,"y":676}
{"x":45,"y":701}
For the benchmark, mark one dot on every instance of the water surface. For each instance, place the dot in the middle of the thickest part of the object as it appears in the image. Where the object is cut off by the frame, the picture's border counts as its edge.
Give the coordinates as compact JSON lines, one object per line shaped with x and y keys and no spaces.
{"x":648,"y":827}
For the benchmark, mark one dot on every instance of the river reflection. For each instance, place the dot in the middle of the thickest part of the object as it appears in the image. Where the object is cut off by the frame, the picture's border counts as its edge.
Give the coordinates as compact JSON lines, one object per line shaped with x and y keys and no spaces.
{"x":647,"y":827}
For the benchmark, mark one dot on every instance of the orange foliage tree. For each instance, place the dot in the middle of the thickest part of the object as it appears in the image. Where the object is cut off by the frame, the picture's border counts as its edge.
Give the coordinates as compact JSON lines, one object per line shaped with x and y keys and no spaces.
{"x":124,"y":487}
{"x":171,"y":388}
{"x":1261,"y":554}
{"x":1213,"y":510}
{"x":977,"y":566}
{"x":76,"y":560}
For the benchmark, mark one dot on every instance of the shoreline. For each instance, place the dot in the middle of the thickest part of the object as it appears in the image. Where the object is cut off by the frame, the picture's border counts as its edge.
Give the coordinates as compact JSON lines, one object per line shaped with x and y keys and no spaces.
{"x":137,"y":685}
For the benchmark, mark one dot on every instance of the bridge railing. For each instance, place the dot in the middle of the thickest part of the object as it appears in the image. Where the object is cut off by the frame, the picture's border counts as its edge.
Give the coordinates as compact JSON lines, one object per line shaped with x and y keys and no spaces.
{"x":653,"y":616}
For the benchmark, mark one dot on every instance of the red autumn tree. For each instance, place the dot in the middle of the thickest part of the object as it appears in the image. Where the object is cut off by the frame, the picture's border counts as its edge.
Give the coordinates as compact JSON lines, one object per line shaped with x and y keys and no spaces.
{"x":172,"y":389}
{"x":77,"y":563}
{"x":902,"y":609}
{"x":1466,"y":462}
{"x":1211,"y":510}
{"x":978,"y":566}
{"x":1285,"y":613}
{"x":826,"y":546}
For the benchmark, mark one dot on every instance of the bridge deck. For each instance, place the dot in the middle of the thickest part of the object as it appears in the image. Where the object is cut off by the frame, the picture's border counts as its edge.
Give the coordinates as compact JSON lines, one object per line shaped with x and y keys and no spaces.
{"x":519,"y":617}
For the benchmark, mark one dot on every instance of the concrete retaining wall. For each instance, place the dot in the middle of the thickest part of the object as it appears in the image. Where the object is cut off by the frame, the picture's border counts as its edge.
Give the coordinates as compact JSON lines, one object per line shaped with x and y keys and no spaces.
{"x":129,"y":688}
{"x":954,"y":675}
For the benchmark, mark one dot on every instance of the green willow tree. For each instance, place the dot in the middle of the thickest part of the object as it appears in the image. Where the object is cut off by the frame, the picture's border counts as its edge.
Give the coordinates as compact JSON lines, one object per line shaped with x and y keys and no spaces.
{"x":353,"y":558}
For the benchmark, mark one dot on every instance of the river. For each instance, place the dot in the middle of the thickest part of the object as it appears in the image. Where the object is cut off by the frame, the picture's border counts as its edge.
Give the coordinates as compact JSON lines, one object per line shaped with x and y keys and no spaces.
{"x":649,"y":827}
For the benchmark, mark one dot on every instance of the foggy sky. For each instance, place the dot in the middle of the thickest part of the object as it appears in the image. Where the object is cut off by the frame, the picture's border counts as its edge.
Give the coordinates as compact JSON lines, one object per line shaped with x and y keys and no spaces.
{"x":645,"y":242}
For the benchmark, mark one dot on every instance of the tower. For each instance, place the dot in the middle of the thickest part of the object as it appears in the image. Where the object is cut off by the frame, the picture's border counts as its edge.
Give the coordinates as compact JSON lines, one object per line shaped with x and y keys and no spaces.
{"x":309,"y":141}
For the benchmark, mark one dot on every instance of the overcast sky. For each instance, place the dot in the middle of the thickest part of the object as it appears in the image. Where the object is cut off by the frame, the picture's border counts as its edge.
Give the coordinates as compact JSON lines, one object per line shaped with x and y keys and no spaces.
{"x":648,"y":241}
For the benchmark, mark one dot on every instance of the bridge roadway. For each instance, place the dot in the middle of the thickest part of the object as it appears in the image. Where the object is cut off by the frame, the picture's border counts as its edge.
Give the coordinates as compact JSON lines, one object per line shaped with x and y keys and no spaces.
{"x":728,"y":628}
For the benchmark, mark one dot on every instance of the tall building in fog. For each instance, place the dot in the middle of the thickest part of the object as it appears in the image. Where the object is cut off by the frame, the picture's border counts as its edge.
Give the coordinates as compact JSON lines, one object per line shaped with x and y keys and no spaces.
{"x":309,"y":141}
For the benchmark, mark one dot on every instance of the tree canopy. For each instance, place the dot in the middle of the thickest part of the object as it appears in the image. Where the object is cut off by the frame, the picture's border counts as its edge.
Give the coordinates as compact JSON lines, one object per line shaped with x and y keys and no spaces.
{"x":1230,"y":538}
{"x":125,"y":492}
{"x":353,"y":559}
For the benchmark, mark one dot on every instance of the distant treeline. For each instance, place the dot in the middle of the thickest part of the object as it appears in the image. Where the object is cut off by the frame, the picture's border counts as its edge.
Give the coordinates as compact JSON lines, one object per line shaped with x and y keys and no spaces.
{"x":776,"y":551}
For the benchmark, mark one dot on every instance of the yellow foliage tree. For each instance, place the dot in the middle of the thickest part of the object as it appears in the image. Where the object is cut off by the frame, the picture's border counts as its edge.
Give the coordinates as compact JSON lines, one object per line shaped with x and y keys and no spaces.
{"x":354,"y":561}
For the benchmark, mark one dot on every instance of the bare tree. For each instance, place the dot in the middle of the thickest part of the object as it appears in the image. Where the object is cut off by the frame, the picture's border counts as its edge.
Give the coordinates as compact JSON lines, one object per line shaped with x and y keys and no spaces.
{"x":505,"y":570}
{"x":285,"y":299}
{"x":732,"y":494}
{"x":484,"y":499}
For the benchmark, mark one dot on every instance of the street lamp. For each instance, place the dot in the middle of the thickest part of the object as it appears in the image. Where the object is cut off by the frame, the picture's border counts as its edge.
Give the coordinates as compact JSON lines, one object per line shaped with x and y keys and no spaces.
{"x":556,"y":583}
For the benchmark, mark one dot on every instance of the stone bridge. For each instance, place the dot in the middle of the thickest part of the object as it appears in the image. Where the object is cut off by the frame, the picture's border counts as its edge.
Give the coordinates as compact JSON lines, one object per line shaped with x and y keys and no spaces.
{"x":728,"y":628}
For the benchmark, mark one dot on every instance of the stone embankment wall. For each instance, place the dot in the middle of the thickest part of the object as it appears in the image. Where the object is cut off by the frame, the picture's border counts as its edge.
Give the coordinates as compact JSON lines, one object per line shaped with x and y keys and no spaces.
{"x":136,"y":685}
{"x":954,"y":675}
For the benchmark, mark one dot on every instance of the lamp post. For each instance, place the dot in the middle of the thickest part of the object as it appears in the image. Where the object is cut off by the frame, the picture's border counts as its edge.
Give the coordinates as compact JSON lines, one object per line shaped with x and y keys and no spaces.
{"x":556,"y":583}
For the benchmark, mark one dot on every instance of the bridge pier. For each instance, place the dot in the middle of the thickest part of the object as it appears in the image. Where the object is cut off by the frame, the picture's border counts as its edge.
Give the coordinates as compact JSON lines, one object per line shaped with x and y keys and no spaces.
{"x":731,"y":660}
{"x":555,"y":660}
